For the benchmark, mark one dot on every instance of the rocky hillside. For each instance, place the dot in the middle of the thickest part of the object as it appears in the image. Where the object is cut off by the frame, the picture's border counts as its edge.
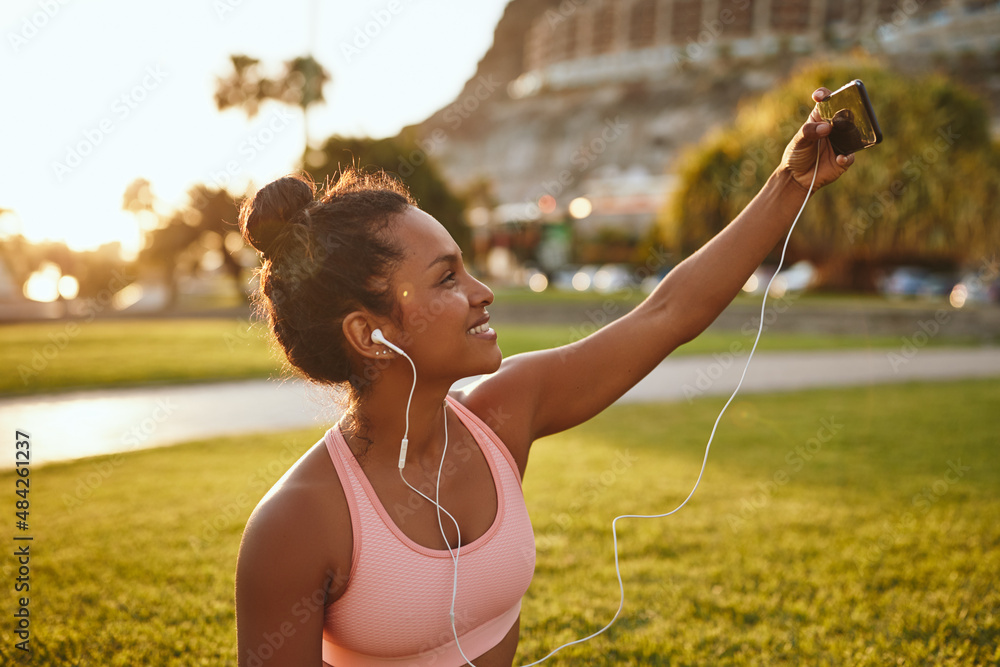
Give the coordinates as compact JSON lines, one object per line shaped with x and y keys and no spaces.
{"x":613,"y":141}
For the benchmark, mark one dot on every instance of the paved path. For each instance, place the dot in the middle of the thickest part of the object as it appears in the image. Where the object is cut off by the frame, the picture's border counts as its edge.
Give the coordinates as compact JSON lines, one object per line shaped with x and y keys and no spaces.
{"x":78,"y":424}
{"x":684,"y":378}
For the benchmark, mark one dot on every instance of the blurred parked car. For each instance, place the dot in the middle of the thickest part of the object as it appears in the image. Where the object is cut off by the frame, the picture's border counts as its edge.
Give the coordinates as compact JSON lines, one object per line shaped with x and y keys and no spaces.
{"x":915,"y":281}
{"x":799,"y":277}
{"x":613,"y":278}
{"x":583,"y":279}
{"x":562,"y":278}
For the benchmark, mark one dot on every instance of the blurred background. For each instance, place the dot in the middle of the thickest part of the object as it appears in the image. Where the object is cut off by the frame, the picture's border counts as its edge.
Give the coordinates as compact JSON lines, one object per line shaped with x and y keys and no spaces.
{"x":570,"y":146}
{"x":578,"y":150}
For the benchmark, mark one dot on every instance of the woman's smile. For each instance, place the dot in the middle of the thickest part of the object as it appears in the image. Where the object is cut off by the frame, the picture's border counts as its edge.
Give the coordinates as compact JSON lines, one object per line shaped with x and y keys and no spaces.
{"x":483,"y":329}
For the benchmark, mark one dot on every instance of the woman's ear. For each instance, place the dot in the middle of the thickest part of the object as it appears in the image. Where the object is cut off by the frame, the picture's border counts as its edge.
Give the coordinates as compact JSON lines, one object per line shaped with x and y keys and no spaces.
{"x":358,"y":327}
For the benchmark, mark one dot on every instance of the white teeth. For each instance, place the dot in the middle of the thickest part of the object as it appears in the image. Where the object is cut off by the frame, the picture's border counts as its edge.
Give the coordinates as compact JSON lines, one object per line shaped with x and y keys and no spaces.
{"x":482,"y":328}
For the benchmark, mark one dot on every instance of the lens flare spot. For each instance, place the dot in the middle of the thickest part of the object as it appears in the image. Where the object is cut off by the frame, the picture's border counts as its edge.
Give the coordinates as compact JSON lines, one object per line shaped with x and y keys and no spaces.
{"x":959,"y":295}
{"x":68,"y":287}
{"x":538,"y":282}
{"x":580,"y":208}
{"x":43,"y":284}
{"x":779,"y":287}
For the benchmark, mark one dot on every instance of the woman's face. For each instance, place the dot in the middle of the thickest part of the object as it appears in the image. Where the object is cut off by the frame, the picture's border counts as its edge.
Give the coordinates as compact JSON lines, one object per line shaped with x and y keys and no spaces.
{"x":445,"y":323}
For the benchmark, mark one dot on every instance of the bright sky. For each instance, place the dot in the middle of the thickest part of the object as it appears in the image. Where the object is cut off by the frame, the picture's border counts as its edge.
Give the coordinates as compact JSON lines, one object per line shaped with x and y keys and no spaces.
{"x":99,"y":93}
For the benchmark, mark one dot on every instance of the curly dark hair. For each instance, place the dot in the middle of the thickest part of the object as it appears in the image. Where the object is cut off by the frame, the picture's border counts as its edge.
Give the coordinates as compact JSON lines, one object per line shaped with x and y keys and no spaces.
{"x":324,"y":258}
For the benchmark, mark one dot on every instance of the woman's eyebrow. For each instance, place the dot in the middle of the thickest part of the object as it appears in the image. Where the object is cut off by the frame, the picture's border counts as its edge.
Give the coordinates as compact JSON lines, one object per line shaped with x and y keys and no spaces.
{"x":449,"y":258}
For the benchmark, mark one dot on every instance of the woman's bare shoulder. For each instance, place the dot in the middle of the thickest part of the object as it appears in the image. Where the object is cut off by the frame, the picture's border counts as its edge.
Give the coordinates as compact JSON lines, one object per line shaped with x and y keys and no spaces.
{"x":294,"y":560}
{"x":503,"y":410}
{"x":303,"y":521}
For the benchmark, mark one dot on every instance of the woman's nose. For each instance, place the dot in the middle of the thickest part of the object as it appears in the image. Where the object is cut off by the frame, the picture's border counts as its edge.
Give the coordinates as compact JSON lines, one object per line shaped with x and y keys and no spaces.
{"x":480,"y":294}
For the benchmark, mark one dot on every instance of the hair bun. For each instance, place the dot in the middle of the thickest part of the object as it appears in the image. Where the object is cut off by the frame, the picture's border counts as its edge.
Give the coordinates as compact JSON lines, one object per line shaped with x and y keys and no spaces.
{"x":269,"y":213}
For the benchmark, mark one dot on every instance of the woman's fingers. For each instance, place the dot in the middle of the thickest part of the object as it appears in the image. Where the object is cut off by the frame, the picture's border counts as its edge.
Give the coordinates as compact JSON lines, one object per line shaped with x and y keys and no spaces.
{"x":845,"y":161}
{"x":821,"y":94}
{"x":814,"y":131}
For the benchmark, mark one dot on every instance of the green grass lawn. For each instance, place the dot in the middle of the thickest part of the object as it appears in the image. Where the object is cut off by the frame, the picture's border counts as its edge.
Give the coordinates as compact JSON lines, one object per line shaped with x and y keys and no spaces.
{"x":56,"y":356}
{"x":59,"y":356}
{"x":830,"y":528}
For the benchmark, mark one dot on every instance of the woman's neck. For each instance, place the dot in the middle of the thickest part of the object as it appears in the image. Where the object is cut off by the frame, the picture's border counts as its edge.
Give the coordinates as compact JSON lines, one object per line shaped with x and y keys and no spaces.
{"x":380,"y":421}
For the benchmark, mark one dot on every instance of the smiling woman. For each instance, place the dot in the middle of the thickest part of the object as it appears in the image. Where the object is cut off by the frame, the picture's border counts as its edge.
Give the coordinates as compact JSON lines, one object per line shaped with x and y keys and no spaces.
{"x":342,"y":278}
{"x":365,"y":291}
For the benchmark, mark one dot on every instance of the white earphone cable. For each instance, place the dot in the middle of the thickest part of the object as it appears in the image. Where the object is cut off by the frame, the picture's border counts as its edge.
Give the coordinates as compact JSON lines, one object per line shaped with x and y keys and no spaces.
{"x":614,"y":528}
{"x":406,"y":432}
{"x":454,"y":553}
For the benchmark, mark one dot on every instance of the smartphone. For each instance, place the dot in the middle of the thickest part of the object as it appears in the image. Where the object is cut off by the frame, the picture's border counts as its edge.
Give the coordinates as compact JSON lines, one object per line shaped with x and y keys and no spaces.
{"x":850,"y":112}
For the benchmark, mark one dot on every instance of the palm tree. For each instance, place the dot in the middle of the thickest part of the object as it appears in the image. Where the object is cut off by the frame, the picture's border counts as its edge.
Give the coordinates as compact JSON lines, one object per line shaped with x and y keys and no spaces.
{"x":300,"y":84}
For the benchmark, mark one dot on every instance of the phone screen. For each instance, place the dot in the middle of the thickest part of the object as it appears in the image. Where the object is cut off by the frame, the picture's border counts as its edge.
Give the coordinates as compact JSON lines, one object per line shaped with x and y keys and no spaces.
{"x":850,"y":112}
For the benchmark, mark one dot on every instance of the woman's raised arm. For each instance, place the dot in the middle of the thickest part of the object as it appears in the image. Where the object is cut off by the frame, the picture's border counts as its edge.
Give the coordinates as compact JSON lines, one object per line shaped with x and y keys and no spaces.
{"x":548,"y":391}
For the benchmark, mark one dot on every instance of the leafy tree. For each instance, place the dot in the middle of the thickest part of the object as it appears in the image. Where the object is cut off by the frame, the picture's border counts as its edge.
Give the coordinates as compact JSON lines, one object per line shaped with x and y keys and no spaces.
{"x":218,"y":222}
{"x":99,"y":271}
{"x":14,"y":257}
{"x":22,"y":257}
{"x":928,"y":194}
{"x":181,"y":240}
{"x":404,"y":158}
{"x":300,"y":84}
{"x":138,"y":197}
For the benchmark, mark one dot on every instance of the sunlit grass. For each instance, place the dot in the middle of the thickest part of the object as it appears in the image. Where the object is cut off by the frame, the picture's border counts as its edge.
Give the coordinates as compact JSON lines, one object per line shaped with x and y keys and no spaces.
{"x":59,"y":356}
{"x":521,"y":338}
{"x":77,"y":355}
{"x":872,"y":550}
{"x":831,"y":528}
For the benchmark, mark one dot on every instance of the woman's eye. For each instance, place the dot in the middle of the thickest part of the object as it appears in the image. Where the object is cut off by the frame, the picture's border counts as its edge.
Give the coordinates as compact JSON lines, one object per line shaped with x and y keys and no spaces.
{"x":449,"y":278}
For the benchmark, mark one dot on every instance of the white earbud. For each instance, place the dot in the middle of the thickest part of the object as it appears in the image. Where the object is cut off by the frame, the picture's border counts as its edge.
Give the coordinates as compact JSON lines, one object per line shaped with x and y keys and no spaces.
{"x":378,"y":337}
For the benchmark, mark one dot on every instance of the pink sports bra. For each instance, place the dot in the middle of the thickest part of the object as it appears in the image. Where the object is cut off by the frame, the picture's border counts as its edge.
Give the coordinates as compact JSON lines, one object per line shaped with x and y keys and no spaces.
{"x":394,"y":610}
